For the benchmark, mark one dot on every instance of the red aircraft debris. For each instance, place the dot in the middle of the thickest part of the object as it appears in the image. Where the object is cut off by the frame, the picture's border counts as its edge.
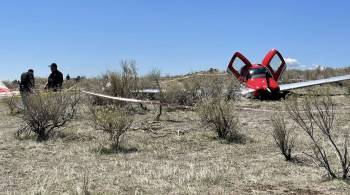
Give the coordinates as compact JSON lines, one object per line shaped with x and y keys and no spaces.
{"x":261,"y":80}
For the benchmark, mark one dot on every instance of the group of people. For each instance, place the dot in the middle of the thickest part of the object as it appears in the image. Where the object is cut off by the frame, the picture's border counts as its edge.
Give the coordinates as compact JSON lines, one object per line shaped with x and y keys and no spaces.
{"x":54,"y":81}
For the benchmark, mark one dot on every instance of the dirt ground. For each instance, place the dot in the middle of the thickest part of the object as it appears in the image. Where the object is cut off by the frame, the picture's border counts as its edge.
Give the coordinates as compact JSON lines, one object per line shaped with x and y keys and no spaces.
{"x":176,"y":155}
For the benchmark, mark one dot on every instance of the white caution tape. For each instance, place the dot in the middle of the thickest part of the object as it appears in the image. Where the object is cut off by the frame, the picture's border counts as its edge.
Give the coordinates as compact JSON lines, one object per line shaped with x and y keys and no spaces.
{"x":122,"y":99}
{"x":131,"y":100}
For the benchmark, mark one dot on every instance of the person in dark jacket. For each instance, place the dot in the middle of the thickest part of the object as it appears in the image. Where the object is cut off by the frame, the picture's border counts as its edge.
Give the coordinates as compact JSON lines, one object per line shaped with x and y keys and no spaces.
{"x":55,"y":79}
{"x":27,"y":81}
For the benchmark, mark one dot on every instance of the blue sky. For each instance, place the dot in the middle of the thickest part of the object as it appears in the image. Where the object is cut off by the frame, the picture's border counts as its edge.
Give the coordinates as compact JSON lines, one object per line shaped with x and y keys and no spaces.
{"x":89,"y":37}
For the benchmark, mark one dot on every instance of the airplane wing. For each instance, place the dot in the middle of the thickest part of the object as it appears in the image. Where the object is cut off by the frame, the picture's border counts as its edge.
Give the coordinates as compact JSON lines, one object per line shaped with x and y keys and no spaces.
{"x":313,"y":82}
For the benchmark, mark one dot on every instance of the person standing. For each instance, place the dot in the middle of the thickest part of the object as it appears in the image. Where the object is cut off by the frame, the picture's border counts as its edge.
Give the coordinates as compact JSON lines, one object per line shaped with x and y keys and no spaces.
{"x":27,"y":82}
{"x":55,"y":79}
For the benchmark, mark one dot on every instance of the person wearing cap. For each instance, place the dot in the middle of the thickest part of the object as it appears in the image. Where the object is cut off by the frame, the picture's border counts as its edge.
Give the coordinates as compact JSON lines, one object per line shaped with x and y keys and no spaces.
{"x":55,"y":79}
{"x":27,"y":82}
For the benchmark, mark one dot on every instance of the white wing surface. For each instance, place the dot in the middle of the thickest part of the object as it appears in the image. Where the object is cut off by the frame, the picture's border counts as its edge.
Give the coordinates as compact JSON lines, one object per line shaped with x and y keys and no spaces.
{"x":313,"y":82}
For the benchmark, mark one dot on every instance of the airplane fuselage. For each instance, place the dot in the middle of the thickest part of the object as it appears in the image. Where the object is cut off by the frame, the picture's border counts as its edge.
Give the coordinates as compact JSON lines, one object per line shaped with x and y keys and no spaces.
{"x":260,"y":81}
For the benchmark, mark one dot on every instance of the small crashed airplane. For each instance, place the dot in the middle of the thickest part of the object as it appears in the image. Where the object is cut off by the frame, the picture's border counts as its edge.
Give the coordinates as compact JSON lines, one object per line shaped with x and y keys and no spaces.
{"x":6,"y":92}
{"x":261,"y":80}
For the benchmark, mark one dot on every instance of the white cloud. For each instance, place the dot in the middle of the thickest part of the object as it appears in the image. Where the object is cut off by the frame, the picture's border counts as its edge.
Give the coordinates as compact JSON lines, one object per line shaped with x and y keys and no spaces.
{"x":294,"y":63}
{"x":291,"y":62}
{"x":317,"y":66}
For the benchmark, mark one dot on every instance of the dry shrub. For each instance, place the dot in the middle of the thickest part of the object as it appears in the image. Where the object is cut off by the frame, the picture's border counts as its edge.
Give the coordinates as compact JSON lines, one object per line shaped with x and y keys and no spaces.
{"x":68,"y":84}
{"x":316,"y":116}
{"x":295,"y":75}
{"x":97,"y":84}
{"x":222,"y":116}
{"x":292,"y":76}
{"x":124,"y":83}
{"x":196,"y":87}
{"x":330,"y":72}
{"x":154,"y":75}
{"x":113,"y":83}
{"x":13,"y":103}
{"x":184,"y":91}
{"x":113,"y":120}
{"x":347,"y":86}
{"x":233,"y":89}
{"x":212,"y":86}
{"x":284,"y":137}
{"x":176,"y":94}
{"x":192,"y":86}
{"x":45,"y":113}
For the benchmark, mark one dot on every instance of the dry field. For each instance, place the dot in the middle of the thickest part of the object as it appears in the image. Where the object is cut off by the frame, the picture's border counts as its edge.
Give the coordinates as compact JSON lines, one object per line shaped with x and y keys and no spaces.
{"x":177,"y":155}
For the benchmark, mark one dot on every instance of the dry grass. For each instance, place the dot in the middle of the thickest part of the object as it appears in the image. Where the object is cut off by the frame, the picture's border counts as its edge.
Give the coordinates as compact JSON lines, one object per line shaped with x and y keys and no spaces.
{"x":176,"y":155}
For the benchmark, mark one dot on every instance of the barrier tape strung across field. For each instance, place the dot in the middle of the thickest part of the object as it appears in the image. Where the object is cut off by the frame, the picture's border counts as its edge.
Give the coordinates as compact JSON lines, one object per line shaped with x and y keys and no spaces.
{"x":122,"y":99}
{"x":139,"y":101}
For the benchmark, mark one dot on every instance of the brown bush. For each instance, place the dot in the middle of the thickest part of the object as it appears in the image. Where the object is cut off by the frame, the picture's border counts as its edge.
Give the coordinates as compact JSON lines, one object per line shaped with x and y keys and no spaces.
{"x":13,"y":103}
{"x":212,"y":87}
{"x":45,"y":113}
{"x":154,"y":75}
{"x":316,"y":116}
{"x":192,"y":86}
{"x":222,"y":116}
{"x":175,"y":94}
{"x":113,"y":120}
{"x":124,"y":83}
{"x":283,"y":137}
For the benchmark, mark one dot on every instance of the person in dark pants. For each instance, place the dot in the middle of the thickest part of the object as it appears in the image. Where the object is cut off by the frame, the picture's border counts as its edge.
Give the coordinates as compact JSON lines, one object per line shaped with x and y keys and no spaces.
{"x":55,"y":79}
{"x":27,"y":81}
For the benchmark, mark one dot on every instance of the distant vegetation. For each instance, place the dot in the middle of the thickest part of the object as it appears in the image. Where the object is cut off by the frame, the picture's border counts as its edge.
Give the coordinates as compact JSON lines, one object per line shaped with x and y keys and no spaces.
{"x":295,"y":75}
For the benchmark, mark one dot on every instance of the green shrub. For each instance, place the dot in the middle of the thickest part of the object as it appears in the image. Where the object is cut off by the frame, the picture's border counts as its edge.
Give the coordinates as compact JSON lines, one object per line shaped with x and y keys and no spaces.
{"x":45,"y":113}
{"x":124,"y":83}
{"x":222,"y":116}
{"x":113,"y":120}
{"x":13,"y":103}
